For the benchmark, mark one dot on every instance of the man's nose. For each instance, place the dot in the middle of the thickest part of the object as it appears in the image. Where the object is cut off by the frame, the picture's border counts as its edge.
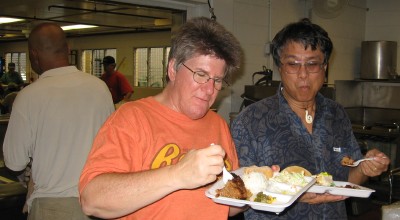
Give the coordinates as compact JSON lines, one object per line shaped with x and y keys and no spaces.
{"x":303,"y":71}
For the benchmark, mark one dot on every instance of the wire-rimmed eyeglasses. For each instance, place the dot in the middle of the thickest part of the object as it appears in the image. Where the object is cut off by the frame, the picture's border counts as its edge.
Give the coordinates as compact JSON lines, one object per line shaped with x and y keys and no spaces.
{"x":202,"y":78}
{"x":311,"y":67}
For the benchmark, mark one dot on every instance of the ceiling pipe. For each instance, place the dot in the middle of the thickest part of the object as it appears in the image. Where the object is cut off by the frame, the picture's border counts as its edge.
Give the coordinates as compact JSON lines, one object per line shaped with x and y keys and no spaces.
{"x":102,"y":11}
{"x":10,"y":30}
{"x":143,"y":5}
{"x":71,"y":22}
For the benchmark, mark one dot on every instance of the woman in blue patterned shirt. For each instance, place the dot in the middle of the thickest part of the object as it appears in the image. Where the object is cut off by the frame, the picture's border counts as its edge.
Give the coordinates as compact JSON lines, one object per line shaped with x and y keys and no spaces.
{"x":298,"y":126}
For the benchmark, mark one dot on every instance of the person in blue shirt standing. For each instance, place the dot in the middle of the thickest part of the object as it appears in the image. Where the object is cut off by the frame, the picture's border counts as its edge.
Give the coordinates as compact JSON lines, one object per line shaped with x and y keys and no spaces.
{"x":298,"y":126}
{"x":12,"y":76}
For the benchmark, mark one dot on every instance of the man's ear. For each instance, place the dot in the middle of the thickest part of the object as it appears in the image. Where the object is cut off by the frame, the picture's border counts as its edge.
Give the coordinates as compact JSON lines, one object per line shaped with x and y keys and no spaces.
{"x":34,"y":54}
{"x":171,"y":70}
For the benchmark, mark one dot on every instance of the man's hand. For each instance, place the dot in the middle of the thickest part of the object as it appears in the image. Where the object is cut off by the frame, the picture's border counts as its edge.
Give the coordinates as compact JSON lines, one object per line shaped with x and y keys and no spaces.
{"x":314,"y":198}
{"x":377,"y":166}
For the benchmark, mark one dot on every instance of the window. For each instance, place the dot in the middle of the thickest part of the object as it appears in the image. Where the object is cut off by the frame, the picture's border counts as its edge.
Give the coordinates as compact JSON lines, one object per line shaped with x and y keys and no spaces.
{"x":91,"y":60}
{"x":20,"y":63}
{"x":150,"y":65}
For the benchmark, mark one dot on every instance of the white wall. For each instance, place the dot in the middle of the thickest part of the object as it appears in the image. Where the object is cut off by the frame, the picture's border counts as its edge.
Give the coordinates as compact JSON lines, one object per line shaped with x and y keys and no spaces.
{"x":382,"y":22}
{"x":253,"y":22}
{"x":347,"y":32}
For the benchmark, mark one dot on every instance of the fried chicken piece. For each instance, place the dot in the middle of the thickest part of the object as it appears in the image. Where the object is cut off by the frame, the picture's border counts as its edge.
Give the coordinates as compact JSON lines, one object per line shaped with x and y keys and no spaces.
{"x":347,"y":161}
{"x":234,"y":189}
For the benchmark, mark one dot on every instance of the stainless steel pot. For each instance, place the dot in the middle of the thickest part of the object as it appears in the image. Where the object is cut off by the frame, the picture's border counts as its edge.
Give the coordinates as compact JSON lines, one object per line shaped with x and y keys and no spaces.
{"x":378,"y":60}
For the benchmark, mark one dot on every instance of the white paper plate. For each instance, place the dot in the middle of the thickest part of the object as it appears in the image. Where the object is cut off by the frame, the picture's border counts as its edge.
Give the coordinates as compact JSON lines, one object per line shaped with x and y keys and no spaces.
{"x":282,"y":201}
{"x":340,"y":190}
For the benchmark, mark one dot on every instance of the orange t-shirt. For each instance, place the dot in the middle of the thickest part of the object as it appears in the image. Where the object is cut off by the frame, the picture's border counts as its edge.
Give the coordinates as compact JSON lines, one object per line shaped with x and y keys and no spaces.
{"x":145,"y":135}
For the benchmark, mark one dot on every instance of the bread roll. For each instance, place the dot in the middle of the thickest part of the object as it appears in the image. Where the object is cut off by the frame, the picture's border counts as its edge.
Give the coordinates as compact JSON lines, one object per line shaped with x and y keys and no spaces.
{"x":297,"y":169}
{"x":266,"y":170}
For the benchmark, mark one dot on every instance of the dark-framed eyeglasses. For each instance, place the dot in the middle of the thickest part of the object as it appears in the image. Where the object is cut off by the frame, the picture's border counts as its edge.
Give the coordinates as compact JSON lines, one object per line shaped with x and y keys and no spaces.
{"x":311,"y":67}
{"x":201,"y":78}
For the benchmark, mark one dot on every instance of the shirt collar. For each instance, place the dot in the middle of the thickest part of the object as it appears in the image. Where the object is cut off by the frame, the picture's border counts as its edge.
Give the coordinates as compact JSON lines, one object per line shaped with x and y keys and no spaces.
{"x":59,"y":71}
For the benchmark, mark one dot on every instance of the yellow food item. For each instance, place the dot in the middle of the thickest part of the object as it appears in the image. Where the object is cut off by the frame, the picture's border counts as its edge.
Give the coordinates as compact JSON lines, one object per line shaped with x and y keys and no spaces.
{"x":297,"y":169}
{"x":324,"y":179}
{"x":266,"y":170}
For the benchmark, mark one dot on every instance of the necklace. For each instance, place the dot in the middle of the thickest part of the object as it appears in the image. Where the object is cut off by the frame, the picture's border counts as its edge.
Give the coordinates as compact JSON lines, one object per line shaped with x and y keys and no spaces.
{"x":308,"y":117}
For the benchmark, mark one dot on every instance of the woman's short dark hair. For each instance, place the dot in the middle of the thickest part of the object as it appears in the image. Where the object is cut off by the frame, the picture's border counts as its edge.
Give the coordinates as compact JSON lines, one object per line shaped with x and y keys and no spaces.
{"x":204,"y":36}
{"x":304,"y":32}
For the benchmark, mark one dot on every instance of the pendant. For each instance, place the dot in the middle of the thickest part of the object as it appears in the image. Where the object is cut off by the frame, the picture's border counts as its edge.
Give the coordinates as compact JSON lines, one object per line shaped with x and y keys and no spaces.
{"x":309,"y":118}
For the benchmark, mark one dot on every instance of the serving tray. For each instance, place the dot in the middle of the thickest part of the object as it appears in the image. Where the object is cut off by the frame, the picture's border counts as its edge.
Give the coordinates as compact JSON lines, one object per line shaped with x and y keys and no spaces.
{"x":340,"y":189}
{"x":282,"y":201}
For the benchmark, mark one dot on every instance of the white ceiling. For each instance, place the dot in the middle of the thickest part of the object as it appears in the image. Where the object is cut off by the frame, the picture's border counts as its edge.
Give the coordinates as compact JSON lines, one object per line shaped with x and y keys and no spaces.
{"x":112,"y":16}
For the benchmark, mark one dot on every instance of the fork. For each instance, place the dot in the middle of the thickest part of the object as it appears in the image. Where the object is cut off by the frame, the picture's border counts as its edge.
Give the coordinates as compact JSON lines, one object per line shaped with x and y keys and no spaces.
{"x":226,"y":175}
{"x":356,"y":163}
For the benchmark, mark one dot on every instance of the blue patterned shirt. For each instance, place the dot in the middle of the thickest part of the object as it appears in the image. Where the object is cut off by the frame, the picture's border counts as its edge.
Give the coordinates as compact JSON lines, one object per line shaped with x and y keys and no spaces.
{"x":269,"y":133}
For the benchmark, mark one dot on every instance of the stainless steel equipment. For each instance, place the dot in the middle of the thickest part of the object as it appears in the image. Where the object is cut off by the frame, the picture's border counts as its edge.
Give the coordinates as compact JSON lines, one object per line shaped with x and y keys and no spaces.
{"x":378,"y":60}
{"x":374,"y":110}
{"x":384,"y":136}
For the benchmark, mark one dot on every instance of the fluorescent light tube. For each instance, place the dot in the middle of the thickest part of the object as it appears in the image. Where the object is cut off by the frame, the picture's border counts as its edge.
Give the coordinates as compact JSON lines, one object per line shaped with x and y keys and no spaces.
{"x":4,"y":20}
{"x":77,"y":26}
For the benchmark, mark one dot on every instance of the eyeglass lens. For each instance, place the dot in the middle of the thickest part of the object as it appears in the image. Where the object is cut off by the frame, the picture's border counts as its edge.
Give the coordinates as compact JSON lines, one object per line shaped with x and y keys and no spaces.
{"x":201,"y":78}
{"x":312,"y":67}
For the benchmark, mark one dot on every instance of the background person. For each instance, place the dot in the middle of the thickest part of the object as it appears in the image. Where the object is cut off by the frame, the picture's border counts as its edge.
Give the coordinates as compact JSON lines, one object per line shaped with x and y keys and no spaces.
{"x":58,"y":117}
{"x":119,"y":86}
{"x":298,"y":126}
{"x":152,"y":159}
{"x":10,"y":95}
{"x":12,"y":76}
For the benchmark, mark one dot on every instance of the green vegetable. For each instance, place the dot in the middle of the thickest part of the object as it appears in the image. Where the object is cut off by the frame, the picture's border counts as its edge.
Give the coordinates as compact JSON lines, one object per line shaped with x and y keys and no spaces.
{"x":325,"y":174}
{"x":261,"y":197}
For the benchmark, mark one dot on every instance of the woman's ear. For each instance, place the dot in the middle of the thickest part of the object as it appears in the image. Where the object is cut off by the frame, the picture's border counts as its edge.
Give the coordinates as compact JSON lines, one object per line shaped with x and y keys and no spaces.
{"x":171,"y":70}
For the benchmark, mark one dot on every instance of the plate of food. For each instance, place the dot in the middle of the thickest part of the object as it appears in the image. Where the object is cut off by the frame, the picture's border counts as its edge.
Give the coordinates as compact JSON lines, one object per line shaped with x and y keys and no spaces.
{"x":325,"y":184}
{"x":260,"y":188}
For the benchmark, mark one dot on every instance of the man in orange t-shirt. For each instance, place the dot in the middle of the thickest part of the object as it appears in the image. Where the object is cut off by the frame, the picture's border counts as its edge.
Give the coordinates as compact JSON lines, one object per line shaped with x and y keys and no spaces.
{"x":154,"y":158}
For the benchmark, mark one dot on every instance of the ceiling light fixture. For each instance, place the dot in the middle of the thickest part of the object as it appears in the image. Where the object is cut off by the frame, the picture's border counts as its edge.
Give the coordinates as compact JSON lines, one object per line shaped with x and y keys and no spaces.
{"x":4,"y":20}
{"x":77,"y":26}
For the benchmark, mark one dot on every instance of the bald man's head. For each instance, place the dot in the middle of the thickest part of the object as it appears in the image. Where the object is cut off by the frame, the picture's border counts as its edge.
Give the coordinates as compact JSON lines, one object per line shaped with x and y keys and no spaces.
{"x":48,"y":48}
